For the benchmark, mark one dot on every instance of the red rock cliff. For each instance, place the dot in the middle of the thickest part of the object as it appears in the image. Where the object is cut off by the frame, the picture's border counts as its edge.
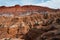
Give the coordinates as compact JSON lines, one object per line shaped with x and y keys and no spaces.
{"x":29,"y":23}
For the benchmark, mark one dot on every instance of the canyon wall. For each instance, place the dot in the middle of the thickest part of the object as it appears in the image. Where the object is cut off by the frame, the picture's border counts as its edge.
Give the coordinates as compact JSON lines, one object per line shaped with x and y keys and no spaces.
{"x":29,"y":23}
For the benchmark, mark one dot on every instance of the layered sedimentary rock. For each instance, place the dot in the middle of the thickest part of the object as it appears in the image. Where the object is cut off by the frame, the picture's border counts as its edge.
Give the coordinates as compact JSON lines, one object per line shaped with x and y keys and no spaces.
{"x":29,"y":23}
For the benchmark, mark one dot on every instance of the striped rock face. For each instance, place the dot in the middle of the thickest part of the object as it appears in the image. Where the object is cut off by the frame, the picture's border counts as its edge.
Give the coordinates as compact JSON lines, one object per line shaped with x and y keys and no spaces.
{"x":29,"y":23}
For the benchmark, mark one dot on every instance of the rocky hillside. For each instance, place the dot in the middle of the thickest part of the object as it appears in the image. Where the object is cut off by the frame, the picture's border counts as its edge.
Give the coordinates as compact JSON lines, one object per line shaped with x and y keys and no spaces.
{"x":29,"y":23}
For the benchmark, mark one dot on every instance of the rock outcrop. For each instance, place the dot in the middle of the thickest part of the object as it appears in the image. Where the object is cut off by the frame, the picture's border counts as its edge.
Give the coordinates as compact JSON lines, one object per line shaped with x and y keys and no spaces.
{"x":29,"y":23}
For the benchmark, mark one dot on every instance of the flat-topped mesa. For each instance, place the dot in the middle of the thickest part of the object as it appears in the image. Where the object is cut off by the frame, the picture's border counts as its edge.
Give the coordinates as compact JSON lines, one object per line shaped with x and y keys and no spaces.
{"x":20,"y":9}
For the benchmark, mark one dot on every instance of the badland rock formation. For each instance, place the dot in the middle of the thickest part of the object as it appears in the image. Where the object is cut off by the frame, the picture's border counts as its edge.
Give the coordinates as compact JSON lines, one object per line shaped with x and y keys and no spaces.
{"x":29,"y":23}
